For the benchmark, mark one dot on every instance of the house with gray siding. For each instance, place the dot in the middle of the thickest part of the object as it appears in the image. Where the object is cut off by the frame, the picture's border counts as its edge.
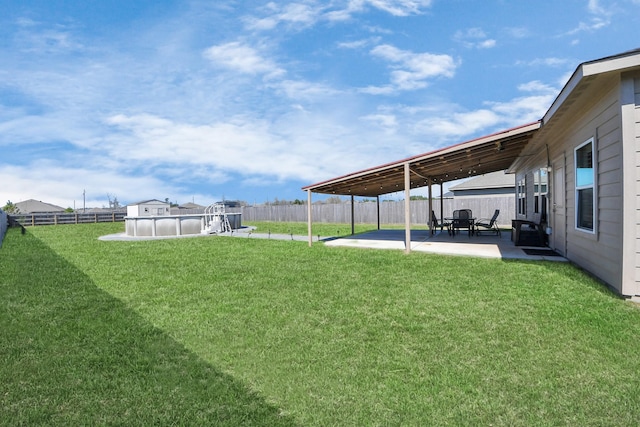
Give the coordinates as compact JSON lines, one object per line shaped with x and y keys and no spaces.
{"x":587,"y":148}
{"x":576,"y":171}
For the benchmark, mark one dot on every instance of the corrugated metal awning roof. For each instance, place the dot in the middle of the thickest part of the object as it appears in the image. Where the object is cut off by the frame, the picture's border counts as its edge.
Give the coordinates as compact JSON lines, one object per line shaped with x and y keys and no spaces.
{"x":476,"y":157}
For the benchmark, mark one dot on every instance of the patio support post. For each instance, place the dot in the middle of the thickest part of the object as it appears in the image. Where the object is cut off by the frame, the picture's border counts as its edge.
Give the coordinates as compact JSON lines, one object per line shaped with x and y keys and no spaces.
{"x":353,"y":217}
{"x":430,"y":220}
{"x":441,"y":202}
{"x":378,"y":210}
{"x":309,"y":217}
{"x":407,"y":208}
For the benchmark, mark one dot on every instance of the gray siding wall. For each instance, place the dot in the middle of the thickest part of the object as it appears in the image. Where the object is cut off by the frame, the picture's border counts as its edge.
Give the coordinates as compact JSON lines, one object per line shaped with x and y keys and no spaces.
{"x":632,"y":133}
{"x":601,"y":120}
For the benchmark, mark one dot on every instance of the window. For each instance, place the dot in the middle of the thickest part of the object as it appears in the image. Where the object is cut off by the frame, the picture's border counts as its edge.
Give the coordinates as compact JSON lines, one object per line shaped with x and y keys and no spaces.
{"x":540,"y":182}
{"x":585,"y":179}
{"x":521,"y":192}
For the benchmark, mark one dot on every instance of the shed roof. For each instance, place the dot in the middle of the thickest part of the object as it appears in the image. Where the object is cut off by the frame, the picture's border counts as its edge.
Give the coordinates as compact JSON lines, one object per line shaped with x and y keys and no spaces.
{"x":148,"y":201}
{"x":475,"y":157}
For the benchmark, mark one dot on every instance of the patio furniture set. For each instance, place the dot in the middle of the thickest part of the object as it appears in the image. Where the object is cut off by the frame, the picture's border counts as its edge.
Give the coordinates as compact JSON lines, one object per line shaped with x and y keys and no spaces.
{"x":464,"y":219}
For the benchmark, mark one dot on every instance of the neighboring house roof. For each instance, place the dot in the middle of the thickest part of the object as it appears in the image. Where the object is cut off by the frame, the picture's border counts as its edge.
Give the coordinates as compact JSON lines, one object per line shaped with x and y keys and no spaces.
{"x":147,"y":201}
{"x":491,"y":180}
{"x":35,"y":206}
{"x":190,"y":206}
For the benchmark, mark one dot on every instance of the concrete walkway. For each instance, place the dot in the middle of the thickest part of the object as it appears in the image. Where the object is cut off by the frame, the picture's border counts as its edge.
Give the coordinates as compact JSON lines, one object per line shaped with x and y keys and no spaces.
{"x":485,"y":246}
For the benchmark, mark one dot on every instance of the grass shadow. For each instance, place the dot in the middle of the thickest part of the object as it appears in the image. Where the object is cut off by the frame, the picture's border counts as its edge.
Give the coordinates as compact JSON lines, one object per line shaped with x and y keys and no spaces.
{"x":72,"y":354}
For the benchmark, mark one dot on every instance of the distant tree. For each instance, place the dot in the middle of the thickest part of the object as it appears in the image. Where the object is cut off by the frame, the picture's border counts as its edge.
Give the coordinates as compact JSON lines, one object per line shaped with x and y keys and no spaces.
{"x":298,"y":202}
{"x":333,"y":200}
{"x":69,"y":210}
{"x":11,"y":208}
{"x":113,"y":203}
{"x":418,"y":198}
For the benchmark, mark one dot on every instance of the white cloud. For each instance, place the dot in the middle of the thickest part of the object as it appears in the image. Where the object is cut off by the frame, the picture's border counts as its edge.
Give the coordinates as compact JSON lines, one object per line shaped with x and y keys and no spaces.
{"x":292,"y":14}
{"x":411,"y":70}
{"x":399,"y":7}
{"x":242,"y":58}
{"x":549,"y":62}
{"x":474,"y":38}
{"x":388,"y":123}
{"x":601,"y":18}
{"x":302,"y":90}
{"x":455,"y":125}
{"x":518,"y":32}
{"x":459,"y":125}
{"x":298,"y":15}
{"x":63,"y":185}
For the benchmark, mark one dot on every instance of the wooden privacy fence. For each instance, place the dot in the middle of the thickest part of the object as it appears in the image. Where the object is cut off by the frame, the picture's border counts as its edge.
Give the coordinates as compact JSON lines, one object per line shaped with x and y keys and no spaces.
{"x":4,"y":223}
{"x":67,"y":218}
{"x":340,"y":213}
{"x":390,"y":212}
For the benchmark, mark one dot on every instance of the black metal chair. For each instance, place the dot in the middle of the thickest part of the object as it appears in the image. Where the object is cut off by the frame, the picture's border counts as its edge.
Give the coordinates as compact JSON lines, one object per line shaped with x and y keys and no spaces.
{"x":442,"y":223}
{"x":488,"y":225}
{"x":462,"y":219}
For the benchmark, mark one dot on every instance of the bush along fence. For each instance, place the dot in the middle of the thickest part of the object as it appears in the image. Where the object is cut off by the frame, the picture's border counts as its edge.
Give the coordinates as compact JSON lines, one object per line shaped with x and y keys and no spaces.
{"x":67,"y":218}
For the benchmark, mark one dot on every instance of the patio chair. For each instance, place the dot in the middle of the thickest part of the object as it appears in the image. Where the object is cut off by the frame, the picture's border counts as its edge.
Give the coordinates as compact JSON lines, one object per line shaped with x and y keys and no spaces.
{"x":488,"y":225}
{"x":462,"y":219}
{"x":442,"y":223}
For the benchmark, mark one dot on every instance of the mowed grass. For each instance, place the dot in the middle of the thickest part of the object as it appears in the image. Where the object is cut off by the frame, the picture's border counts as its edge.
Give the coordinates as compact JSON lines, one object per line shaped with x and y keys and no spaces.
{"x":225,"y":331}
{"x":317,"y":228}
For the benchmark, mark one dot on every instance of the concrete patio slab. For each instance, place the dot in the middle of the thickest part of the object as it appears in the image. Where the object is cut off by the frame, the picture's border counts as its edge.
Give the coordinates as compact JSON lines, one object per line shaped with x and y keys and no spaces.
{"x":485,"y":245}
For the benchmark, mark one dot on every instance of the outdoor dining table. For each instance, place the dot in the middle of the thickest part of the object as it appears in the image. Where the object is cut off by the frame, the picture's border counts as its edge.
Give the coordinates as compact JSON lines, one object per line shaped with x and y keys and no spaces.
{"x":453,"y":221}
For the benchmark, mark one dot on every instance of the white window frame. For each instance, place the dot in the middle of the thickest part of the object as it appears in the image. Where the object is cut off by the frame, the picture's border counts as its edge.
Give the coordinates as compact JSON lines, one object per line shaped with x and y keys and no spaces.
{"x":592,"y":186}
{"x":521,"y":196}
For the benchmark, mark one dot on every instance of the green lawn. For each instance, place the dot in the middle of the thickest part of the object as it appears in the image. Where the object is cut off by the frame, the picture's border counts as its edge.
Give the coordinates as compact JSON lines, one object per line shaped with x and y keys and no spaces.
{"x":225,"y":331}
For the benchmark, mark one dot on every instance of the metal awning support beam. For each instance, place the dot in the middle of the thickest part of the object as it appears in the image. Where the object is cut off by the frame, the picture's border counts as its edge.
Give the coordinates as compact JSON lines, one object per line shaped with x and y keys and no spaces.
{"x":430,"y":220}
{"x":353,"y":216}
{"x":407,"y":208}
{"x":310,"y":236}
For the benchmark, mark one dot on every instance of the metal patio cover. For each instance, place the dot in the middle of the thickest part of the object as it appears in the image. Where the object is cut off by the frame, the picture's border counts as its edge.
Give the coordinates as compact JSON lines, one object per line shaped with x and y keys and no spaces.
{"x":476,"y":157}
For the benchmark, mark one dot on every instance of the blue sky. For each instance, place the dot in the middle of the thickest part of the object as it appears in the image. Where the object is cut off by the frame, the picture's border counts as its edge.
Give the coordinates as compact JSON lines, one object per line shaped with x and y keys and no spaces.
{"x":251,"y":100}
